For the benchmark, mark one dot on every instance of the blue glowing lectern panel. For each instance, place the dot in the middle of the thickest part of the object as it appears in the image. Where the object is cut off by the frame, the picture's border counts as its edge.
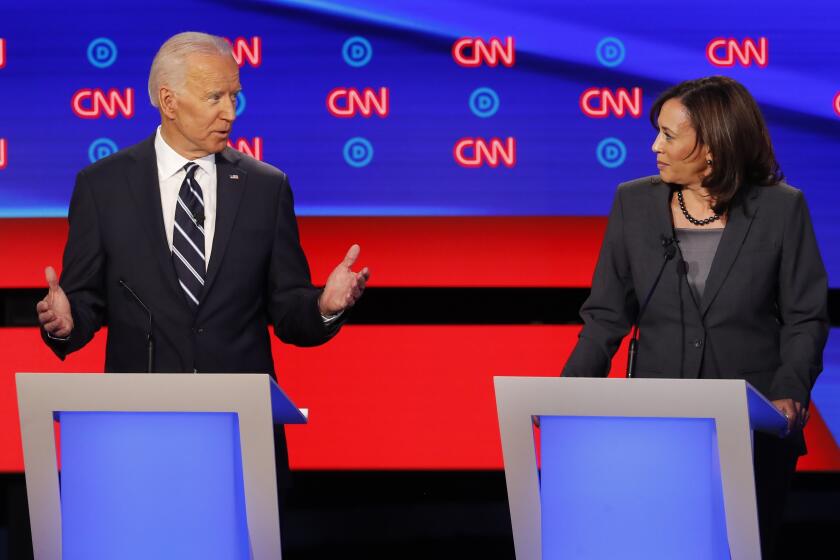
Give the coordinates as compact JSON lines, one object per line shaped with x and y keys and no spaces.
{"x":631,"y":488}
{"x":152,"y":485}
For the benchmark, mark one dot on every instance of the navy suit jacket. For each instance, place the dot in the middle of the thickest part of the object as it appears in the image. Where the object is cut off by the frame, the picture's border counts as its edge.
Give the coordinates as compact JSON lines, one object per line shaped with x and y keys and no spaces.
{"x":763,"y":316}
{"x":257,"y":274}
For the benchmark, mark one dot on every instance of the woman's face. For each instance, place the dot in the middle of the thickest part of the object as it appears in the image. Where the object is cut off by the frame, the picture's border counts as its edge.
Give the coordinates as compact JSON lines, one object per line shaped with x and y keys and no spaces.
{"x":673,"y":146}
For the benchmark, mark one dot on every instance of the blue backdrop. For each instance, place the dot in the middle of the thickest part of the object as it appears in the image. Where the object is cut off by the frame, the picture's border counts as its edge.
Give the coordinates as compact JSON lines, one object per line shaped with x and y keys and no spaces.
{"x":406,"y":166}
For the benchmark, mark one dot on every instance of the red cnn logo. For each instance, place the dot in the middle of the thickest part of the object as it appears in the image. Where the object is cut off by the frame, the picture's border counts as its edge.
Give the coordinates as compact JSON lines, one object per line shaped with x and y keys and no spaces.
{"x":475,"y":152}
{"x":619,"y":103}
{"x":346,"y":103}
{"x":723,"y":52}
{"x":3,"y":148}
{"x":2,"y":53}
{"x":837,"y":103}
{"x":254,"y":149}
{"x":471,"y":53}
{"x":92,"y":103}
{"x":243,"y":50}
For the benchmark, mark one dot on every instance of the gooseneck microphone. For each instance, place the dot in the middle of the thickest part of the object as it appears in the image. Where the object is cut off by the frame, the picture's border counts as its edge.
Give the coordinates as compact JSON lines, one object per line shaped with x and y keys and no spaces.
{"x":150,"y":341}
{"x":670,"y":249}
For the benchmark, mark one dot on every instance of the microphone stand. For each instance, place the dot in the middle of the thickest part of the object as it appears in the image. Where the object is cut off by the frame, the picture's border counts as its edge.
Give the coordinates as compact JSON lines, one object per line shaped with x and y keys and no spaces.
{"x":668,"y":243}
{"x":150,"y":341}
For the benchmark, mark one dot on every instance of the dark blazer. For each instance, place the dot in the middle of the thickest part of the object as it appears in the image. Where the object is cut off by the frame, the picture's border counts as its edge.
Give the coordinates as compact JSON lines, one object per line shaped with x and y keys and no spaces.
{"x":257,"y":274}
{"x":763,"y":316}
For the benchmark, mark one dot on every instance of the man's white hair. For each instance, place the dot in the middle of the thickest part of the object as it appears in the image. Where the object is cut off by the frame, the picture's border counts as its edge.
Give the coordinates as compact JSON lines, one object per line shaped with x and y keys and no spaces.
{"x":169,"y":66}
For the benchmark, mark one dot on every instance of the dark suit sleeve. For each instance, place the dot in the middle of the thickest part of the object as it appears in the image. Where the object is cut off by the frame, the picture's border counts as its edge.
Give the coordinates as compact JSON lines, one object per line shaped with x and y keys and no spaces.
{"x":293,"y":300}
{"x":803,"y":308}
{"x":82,"y":275}
{"x":609,"y":310}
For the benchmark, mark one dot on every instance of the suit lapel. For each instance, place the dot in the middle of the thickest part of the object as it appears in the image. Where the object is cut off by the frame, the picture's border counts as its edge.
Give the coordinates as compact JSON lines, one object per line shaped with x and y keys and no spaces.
{"x":738,"y":225}
{"x":145,"y":190}
{"x":230,"y":184}
{"x":660,"y":209}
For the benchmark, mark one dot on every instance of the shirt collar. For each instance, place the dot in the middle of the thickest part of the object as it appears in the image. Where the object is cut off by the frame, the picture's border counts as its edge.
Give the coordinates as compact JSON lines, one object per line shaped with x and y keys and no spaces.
{"x":170,"y":162}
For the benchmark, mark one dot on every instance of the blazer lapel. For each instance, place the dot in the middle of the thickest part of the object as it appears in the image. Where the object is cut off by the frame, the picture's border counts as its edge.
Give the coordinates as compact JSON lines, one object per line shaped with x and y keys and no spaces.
{"x":145,"y":189}
{"x":660,"y":208}
{"x":738,"y":225}
{"x":230,"y":184}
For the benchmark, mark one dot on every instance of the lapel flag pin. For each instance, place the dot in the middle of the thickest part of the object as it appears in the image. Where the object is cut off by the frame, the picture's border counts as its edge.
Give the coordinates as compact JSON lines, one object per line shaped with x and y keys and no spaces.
{"x":234,"y":177}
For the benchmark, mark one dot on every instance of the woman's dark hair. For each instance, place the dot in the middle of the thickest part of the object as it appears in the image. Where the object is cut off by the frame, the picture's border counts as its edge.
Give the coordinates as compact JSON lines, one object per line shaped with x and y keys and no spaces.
{"x":728,"y":121}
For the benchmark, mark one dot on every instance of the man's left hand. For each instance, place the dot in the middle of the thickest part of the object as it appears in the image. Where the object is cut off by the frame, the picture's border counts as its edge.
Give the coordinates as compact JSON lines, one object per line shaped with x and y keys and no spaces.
{"x":344,"y":287}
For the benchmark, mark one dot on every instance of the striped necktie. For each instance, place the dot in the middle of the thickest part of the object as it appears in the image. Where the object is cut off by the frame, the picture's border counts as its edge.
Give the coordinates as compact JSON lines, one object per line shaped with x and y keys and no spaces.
{"x":188,"y":237}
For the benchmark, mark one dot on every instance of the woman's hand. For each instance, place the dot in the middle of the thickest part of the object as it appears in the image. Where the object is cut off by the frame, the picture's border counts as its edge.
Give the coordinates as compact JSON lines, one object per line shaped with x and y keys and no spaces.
{"x":796,"y":414}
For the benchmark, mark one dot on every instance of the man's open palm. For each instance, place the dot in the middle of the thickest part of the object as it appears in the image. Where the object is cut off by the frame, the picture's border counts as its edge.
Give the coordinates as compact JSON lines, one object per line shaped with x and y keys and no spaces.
{"x":344,"y":287}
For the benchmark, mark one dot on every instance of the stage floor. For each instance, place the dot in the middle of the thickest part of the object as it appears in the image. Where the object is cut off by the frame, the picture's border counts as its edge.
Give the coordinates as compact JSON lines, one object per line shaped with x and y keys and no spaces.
{"x":435,"y":514}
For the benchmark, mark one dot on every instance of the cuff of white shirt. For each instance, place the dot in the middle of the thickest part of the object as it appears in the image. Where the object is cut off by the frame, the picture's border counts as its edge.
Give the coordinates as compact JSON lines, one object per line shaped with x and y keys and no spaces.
{"x":331,"y":318}
{"x":56,"y":338}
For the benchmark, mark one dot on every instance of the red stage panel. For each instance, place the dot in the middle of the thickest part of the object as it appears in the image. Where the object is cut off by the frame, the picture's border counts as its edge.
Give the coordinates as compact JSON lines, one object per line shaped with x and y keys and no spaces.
{"x":412,"y":397}
{"x":468,"y":252}
{"x":411,"y":252}
{"x":21,"y":350}
{"x":27,"y":246}
{"x":823,"y":450}
{"x":381,"y":397}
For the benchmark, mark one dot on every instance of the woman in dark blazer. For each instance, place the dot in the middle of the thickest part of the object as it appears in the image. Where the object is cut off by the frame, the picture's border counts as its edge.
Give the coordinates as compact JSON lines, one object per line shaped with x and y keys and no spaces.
{"x":743,"y":292}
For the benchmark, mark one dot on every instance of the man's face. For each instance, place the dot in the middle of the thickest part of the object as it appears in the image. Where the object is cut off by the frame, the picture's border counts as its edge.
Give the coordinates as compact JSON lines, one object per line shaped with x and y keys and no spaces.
{"x":203,"y":111}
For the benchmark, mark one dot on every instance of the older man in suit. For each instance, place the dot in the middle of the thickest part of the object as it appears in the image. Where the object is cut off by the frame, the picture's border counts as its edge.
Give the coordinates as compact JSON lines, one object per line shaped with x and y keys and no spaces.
{"x":186,"y":242}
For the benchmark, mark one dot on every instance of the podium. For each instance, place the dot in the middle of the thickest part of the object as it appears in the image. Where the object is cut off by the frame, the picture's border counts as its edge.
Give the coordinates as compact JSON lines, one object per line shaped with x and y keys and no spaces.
{"x":152,"y":465}
{"x":632,"y":468}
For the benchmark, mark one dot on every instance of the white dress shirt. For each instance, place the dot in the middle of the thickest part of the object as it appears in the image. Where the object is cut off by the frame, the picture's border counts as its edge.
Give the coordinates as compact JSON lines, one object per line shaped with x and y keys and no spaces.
{"x":171,"y":173}
{"x":170,"y":166}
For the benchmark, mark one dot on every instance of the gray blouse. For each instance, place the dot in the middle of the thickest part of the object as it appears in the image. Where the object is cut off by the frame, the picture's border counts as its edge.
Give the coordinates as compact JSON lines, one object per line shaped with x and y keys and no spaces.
{"x":698,"y":248}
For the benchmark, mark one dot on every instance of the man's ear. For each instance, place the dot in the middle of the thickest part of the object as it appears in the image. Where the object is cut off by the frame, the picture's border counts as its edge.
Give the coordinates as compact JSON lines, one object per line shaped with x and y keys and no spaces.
{"x":167,"y":102}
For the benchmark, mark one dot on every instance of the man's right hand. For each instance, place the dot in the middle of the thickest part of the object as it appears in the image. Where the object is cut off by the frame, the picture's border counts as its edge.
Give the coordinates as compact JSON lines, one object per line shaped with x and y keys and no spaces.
{"x":54,"y":310}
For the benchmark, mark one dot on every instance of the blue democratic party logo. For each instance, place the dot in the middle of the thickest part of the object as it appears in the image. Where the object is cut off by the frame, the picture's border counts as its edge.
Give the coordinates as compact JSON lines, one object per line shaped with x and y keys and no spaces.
{"x":240,"y":103}
{"x":358,"y":152}
{"x":610,"y":52}
{"x":100,"y":148}
{"x":484,"y":102}
{"x":357,"y":51}
{"x":611,"y":152}
{"x":102,"y":52}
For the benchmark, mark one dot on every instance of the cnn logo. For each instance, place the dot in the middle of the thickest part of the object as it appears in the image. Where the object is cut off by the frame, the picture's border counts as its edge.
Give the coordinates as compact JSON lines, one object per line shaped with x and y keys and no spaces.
{"x":346,"y":103}
{"x":473,"y":52}
{"x":724,"y":52}
{"x":3,"y":149}
{"x":253,"y":148}
{"x":244,"y":50}
{"x":2,"y":52}
{"x":475,"y":152}
{"x":599,"y":103}
{"x":93,"y":103}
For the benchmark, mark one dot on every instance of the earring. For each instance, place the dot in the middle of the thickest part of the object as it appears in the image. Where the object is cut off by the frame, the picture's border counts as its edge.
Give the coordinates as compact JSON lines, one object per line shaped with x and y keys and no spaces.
{"x":708,"y":162}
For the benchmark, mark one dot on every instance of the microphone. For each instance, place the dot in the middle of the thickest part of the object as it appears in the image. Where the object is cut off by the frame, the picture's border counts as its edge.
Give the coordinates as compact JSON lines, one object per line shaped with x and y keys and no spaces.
{"x":669,"y":244}
{"x":669,"y":250}
{"x":198,"y":216}
{"x":150,"y":342}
